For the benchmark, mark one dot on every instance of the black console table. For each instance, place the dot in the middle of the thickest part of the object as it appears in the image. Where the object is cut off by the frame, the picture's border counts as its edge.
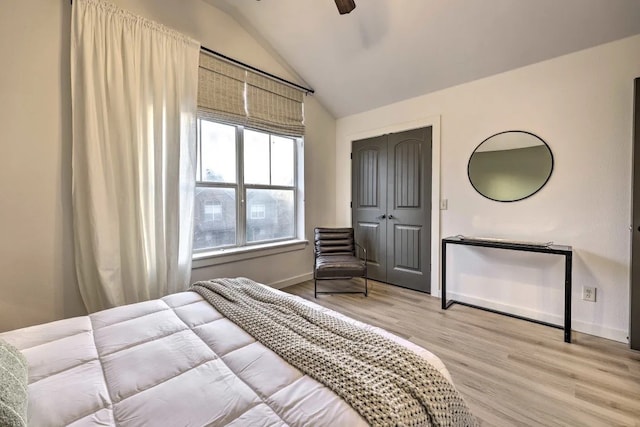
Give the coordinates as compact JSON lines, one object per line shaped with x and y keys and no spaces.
{"x":567,"y":251}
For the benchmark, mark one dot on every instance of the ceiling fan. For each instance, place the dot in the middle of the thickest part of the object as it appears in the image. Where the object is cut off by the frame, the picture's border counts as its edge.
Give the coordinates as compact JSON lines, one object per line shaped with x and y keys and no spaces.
{"x":345,"y":6}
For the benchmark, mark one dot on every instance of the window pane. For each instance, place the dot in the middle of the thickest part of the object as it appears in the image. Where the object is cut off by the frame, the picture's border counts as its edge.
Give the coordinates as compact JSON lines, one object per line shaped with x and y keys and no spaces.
{"x":198,"y":176}
{"x":282,"y":165}
{"x":270,"y":214}
{"x":215,"y":218}
{"x":218,"y":144}
{"x":256,"y":157}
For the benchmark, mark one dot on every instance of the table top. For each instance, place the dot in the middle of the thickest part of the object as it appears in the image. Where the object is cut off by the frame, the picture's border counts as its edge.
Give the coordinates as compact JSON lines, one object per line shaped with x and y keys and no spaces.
{"x":487,"y":242}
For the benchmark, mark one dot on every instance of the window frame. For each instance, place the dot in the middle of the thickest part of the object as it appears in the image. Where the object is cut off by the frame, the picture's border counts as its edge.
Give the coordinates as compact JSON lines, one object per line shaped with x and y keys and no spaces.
{"x":240,"y":188}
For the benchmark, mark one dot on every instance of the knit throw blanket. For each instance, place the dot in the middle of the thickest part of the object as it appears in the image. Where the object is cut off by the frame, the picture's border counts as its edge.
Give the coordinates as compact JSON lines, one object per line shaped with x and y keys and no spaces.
{"x":387,"y":384}
{"x":13,"y":386}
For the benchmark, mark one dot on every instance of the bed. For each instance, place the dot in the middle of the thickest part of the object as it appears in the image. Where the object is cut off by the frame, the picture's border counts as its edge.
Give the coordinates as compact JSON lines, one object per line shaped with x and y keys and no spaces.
{"x":171,"y":362}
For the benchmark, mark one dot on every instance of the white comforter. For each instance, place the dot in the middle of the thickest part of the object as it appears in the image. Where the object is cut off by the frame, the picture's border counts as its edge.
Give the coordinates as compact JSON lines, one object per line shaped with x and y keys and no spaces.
{"x":175,"y":361}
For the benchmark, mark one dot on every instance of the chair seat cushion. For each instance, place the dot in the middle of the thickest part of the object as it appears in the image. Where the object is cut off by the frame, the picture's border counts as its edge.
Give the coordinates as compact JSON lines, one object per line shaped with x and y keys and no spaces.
{"x":334,"y":266}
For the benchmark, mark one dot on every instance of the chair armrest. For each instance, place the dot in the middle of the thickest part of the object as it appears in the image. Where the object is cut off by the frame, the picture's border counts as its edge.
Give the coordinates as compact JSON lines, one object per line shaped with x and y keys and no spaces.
{"x":364,"y":250}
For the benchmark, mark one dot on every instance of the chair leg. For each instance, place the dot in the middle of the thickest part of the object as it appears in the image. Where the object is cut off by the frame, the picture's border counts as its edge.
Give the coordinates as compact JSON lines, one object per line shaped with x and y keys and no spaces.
{"x":315,"y":288}
{"x":366,"y":289}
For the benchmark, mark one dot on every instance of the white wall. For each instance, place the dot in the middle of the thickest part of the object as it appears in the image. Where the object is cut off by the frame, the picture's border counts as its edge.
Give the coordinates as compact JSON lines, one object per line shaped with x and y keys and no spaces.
{"x":581,"y":105}
{"x":37,"y":272}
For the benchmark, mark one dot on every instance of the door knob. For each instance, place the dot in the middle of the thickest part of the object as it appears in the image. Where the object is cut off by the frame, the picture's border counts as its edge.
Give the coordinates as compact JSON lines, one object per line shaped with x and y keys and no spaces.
{"x":391,"y":217}
{"x":383,"y":216}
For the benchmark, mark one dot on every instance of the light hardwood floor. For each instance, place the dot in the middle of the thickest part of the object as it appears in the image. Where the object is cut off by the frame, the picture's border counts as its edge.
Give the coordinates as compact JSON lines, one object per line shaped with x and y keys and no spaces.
{"x":511,"y":372}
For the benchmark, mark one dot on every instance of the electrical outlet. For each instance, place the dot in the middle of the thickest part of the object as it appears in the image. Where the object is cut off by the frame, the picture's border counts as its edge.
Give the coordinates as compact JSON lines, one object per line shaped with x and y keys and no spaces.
{"x":444,"y":204}
{"x":589,"y":293}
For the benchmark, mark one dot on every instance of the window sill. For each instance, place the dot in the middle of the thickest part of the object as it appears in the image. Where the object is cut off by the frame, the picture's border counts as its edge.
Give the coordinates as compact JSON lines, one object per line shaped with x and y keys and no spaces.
{"x":224,"y":256}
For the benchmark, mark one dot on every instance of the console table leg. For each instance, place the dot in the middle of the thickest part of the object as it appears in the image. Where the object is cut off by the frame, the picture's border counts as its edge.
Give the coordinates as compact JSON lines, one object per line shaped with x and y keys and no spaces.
{"x":443,"y":293}
{"x":567,"y":298}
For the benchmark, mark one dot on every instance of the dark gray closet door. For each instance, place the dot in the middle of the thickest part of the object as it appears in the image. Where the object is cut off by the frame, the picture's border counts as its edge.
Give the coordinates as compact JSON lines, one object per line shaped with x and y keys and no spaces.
{"x":369,"y":204}
{"x":409,"y":209}
{"x":391,"y":206}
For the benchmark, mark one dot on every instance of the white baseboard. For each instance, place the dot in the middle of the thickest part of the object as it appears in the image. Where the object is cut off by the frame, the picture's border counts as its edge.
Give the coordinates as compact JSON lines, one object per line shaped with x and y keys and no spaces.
{"x":619,"y":335}
{"x":576,"y":325}
{"x":291,"y":281}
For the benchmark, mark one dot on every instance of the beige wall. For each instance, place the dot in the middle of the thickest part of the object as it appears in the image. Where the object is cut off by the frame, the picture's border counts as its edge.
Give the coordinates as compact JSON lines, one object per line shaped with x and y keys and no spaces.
{"x":37,"y":279}
{"x":581,"y":105}
{"x":37,"y":272}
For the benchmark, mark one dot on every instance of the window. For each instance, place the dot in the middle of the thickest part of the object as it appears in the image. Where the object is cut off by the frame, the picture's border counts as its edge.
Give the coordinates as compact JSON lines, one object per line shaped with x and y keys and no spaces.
{"x":249,"y":185}
{"x":212,"y":210}
{"x":246,"y":187}
{"x":257,"y":212}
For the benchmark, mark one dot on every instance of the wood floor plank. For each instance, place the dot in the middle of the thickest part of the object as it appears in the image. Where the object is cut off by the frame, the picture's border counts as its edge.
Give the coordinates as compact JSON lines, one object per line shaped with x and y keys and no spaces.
{"x":511,"y":372}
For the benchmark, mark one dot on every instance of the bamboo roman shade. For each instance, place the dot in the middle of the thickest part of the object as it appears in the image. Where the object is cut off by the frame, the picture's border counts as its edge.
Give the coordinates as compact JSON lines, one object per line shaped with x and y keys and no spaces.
{"x":231,"y":94}
{"x":220,"y":90}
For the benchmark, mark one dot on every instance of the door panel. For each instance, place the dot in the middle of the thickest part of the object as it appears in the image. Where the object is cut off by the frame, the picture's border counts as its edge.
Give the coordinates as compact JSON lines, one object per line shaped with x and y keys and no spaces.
{"x":409,"y":216}
{"x":369,"y":236}
{"x":369,"y":194}
{"x":407,"y":245}
{"x":407,"y":170}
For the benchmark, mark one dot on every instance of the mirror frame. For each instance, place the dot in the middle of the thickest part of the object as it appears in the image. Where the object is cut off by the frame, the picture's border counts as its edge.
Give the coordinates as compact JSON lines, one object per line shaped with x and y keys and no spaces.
{"x":522,"y":198}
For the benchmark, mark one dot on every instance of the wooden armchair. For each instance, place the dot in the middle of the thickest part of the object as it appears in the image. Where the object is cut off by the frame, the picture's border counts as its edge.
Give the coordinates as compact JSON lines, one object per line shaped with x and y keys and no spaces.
{"x":335,"y":258}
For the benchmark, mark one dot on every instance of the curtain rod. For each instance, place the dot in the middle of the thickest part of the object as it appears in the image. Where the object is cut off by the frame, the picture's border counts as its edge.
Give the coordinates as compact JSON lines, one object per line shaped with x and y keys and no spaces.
{"x":257,"y":70}
{"x":252,"y":68}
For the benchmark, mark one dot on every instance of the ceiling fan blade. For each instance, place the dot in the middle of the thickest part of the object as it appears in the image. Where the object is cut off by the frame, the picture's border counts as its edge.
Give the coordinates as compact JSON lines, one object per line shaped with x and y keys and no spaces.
{"x":345,"y":6}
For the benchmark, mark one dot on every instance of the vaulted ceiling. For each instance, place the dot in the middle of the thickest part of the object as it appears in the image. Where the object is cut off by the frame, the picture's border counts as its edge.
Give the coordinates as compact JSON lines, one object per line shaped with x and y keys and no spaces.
{"x":389,"y":50}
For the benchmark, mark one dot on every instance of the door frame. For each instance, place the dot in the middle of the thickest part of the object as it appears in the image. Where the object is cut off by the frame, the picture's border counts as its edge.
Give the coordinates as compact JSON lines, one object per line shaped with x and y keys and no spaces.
{"x":434,"y":123}
{"x":634,"y":270}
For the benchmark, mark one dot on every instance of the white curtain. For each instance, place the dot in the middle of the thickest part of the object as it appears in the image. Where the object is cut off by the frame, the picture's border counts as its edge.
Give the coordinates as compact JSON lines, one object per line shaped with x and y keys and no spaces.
{"x":134,"y":90}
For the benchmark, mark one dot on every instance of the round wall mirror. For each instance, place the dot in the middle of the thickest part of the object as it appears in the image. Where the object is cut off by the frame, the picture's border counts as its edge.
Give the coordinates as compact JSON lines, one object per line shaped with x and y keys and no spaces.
{"x":510,"y":166}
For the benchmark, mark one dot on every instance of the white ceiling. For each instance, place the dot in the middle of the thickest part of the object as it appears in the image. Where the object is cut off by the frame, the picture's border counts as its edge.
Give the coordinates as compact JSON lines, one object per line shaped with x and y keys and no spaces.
{"x":389,"y":50}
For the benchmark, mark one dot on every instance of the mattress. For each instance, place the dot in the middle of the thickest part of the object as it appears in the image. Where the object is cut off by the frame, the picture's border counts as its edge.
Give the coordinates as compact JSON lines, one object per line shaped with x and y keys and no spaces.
{"x":174,"y":361}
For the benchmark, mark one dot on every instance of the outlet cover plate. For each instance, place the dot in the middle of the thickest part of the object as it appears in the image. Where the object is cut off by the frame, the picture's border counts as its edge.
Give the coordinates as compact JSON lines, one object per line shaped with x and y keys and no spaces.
{"x":589,"y":293}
